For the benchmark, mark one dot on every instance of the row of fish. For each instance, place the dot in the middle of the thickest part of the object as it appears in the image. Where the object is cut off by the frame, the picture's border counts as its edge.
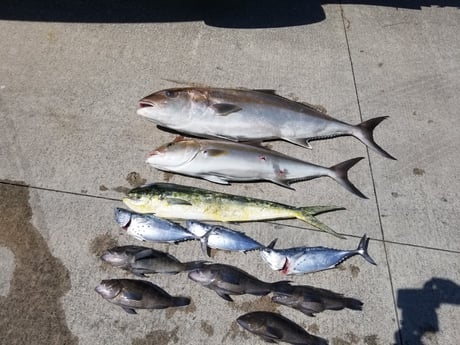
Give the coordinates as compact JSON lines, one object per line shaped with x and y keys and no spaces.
{"x":296,"y":260}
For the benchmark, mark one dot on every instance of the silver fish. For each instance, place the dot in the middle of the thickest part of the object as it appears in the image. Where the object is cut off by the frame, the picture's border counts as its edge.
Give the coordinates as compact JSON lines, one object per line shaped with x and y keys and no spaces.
{"x":131,"y":294}
{"x":301,"y":260}
{"x":248,"y":115}
{"x":142,"y":260}
{"x":274,"y":328}
{"x":228,"y":280}
{"x":150,"y":228}
{"x":311,"y":300}
{"x":224,"y":161}
{"x":219,"y":237}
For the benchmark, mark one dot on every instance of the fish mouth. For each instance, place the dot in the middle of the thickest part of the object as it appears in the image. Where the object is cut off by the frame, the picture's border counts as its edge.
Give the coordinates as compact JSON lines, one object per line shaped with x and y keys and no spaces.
{"x":144,"y":103}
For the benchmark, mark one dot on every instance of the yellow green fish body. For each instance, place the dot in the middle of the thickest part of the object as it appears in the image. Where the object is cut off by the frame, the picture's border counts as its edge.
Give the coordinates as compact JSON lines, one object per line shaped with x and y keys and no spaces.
{"x":174,"y":201}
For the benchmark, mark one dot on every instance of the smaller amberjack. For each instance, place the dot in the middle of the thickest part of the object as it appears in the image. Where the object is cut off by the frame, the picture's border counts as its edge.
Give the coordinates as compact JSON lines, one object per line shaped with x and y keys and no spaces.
{"x":224,"y":161}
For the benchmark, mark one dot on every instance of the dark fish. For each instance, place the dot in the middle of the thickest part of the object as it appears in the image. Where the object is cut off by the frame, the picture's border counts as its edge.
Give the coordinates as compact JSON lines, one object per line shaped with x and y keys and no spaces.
{"x":275,"y":328}
{"x":133,"y":294}
{"x":142,"y":260}
{"x":310,"y":300}
{"x":228,"y":280}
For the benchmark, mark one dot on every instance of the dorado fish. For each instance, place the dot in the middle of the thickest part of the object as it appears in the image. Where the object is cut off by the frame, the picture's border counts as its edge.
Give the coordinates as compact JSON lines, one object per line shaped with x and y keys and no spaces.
{"x":228,"y":280}
{"x":219,"y":237}
{"x":174,"y":201}
{"x":131,"y":294}
{"x":224,"y":161}
{"x":300,"y":260}
{"x":150,"y":228}
{"x":311,"y":300}
{"x":274,"y":328}
{"x":142,"y":260}
{"x":249,"y":115}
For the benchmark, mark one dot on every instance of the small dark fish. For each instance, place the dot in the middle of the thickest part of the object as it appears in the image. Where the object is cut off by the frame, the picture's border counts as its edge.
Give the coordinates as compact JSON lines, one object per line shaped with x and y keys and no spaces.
{"x":310,"y":300}
{"x":142,"y":260}
{"x":228,"y":280}
{"x":300,"y":260}
{"x":151,"y":228}
{"x":131,"y":294}
{"x":219,"y":237}
{"x":275,"y":328}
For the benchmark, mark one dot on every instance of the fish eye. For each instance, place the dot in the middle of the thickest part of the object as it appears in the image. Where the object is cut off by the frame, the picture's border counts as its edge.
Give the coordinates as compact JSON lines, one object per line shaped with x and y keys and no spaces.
{"x":169,"y":144}
{"x":170,"y":94}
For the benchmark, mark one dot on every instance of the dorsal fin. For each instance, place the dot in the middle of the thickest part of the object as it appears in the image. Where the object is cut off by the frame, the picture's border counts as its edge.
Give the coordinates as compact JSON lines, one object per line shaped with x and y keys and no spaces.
{"x":272,"y":244}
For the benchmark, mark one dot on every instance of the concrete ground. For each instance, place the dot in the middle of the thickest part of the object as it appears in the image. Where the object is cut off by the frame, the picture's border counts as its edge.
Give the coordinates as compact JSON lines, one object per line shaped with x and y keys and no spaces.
{"x":71,"y":144}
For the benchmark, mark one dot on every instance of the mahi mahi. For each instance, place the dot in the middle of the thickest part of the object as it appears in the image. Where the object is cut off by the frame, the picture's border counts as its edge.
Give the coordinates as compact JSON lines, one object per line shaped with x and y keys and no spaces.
{"x":249,"y":115}
{"x":224,"y":161}
{"x":172,"y":201}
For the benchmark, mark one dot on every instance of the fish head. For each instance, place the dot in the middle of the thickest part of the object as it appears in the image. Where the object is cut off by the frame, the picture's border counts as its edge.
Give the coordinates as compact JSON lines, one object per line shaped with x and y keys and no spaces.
{"x":197,"y":229}
{"x":252,"y":322}
{"x":174,"y":154}
{"x":172,"y":107}
{"x":275,"y":259}
{"x":142,"y":199}
{"x":123,"y":217}
{"x":118,"y":256}
{"x":203,"y":276}
{"x":109,"y":289}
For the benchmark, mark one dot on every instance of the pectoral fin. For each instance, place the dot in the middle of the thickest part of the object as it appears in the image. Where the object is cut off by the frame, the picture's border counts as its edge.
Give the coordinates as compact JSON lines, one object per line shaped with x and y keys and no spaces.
{"x":215,"y":179}
{"x":129,"y":310}
{"x":177,"y":201}
{"x":224,"y":295}
{"x":273,"y":333}
{"x":224,"y":109}
{"x":204,"y":244}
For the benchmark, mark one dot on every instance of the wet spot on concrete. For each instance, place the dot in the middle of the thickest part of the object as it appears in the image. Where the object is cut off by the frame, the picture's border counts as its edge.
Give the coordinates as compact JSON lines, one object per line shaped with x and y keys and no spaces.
{"x":371,"y":339}
{"x":430,"y":121}
{"x":103,"y":188}
{"x":261,"y":304}
{"x":354,"y":270}
{"x":341,"y":268}
{"x":339,"y":341}
{"x":313,"y":328}
{"x":443,"y":199}
{"x":207,"y":328}
{"x":414,"y":113}
{"x":121,"y":189}
{"x":418,"y":172}
{"x":102,"y":242}
{"x":394,"y":194}
{"x":135,"y":180}
{"x":160,"y":337}
{"x":380,"y":64}
{"x":353,"y":338}
{"x":32,"y":312}
{"x":167,"y":176}
{"x":235,"y":331}
{"x":84,"y":191}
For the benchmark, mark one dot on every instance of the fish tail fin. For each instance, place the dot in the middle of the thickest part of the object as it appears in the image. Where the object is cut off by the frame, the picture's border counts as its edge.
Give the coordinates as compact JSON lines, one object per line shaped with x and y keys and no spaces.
{"x":362,"y":249}
{"x":194,"y":265}
{"x":307,"y":214}
{"x":365,"y":133}
{"x":339,"y":173}
{"x":181,"y":301}
{"x":282,"y":286}
{"x":353,"y":303}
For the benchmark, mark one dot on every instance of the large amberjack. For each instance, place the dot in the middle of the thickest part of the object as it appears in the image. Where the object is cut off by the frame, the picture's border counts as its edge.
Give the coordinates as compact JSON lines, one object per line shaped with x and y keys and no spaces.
{"x":249,"y":115}
{"x":223,"y":161}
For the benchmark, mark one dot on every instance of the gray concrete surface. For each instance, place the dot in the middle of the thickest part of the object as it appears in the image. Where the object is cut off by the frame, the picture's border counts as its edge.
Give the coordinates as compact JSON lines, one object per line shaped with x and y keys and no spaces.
{"x":71,"y":145}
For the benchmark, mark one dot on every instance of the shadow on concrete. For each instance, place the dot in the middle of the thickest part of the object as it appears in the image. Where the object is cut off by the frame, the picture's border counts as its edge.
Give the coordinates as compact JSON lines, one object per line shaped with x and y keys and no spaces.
{"x":225,"y":14}
{"x":418,"y":306}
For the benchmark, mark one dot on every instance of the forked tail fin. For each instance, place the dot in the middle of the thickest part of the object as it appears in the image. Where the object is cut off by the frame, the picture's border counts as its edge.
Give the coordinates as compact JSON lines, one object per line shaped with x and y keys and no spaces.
{"x":339,"y":173}
{"x":364,"y":132}
{"x":362,"y":249}
{"x":307,"y":214}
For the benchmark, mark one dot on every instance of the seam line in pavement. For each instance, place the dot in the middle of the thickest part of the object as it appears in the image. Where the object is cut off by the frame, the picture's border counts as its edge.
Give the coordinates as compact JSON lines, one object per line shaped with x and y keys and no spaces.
{"x":400,"y":340}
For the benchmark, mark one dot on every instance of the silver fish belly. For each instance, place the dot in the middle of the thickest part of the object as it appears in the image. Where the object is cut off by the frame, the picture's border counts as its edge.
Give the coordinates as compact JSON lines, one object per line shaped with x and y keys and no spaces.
{"x":223,"y":161}
{"x":150,"y":228}
{"x":301,"y":260}
{"x":219,"y":237}
{"x":248,"y":115}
